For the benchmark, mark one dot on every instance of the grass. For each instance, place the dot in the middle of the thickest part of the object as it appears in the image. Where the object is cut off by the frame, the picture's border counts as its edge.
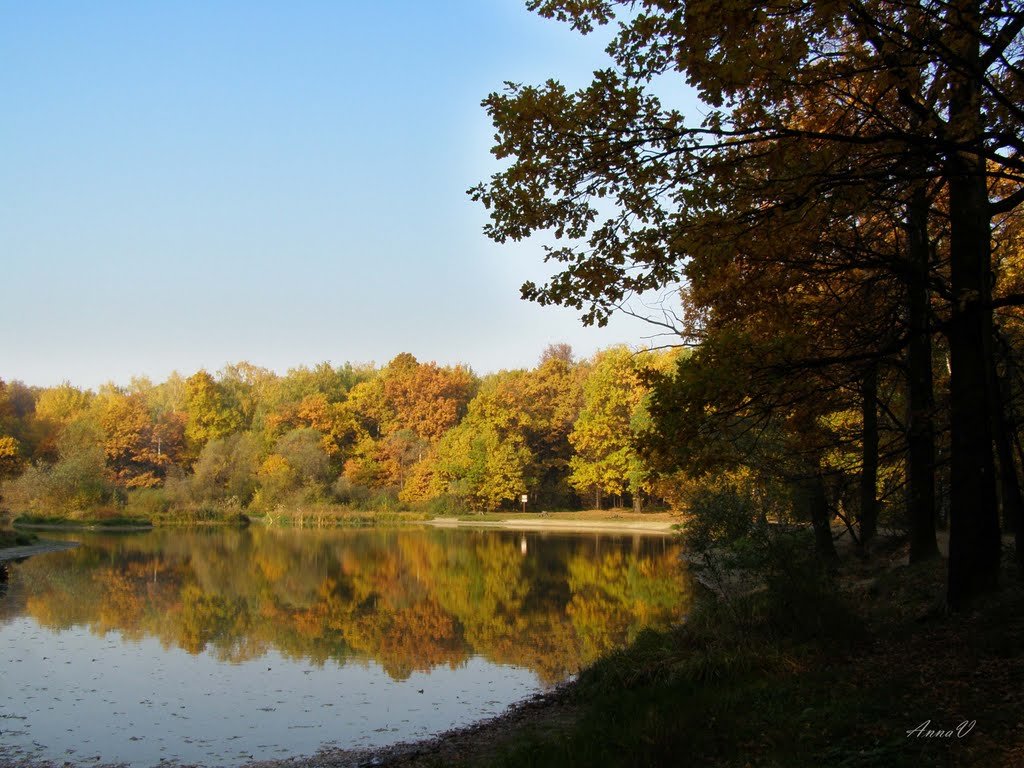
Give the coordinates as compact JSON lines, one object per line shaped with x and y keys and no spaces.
{"x":85,"y":521}
{"x":155,"y":506}
{"x":759,"y":682}
{"x":335,"y":516}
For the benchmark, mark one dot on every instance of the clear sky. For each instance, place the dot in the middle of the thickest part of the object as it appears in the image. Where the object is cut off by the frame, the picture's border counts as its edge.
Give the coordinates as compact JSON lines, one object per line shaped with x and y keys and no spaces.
{"x":188,"y":184}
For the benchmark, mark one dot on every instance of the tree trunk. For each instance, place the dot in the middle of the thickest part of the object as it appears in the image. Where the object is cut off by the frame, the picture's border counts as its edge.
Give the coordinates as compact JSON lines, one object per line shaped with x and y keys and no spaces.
{"x":869,"y":460}
{"x":1018,"y":536}
{"x":920,"y":387}
{"x":1009,"y":482}
{"x":812,"y":501}
{"x":974,"y":542}
{"x":638,"y":505}
{"x":597,"y":497}
{"x":821,"y":520}
{"x":1009,"y":486}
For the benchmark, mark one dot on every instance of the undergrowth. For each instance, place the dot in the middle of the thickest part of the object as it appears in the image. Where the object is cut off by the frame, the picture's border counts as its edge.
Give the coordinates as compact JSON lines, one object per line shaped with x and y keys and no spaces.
{"x":833,"y":674}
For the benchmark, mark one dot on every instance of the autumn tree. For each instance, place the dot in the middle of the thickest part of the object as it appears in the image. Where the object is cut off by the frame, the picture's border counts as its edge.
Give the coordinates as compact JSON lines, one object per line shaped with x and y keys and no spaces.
{"x":76,"y":482}
{"x":485,"y":459}
{"x":605,"y":460}
{"x":168,"y":396}
{"x":227,"y":469}
{"x":210,"y":415}
{"x":407,"y":406}
{"x":133,"y":454}
{"x":298,"y":461}
{"x":514,"y":439}
{"x":63,"y":403}
{"x":11,"y":459}
{"x":552,"y":396}
{"x":18,"y":421}
{"x":916,"y":92}
{"x":334,"y":421}
{"x":334,"y":383}
{"x":243,"y":387}
{"x":423,"y":397}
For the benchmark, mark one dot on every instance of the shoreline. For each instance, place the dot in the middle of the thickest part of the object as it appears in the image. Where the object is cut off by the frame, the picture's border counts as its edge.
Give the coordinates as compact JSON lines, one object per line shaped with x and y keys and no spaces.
{"x":552,"y":709}
{"x":39,"y":548}
{"x":646,"y":528}
{"x":81,"y":527}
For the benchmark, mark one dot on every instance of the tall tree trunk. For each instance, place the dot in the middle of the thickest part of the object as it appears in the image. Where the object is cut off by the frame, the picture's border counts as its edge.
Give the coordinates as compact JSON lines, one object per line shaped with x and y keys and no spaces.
{"x":1006,"y":440}
{"x":1018,"y":535}
{"x":812,"y":501}
{"x":974,"y":542}
{"x":869,"y":458}
{"x":1006,"y":395}
{"x":920,"y":386}
{"x":821,"y":520}
{"x":597,"y":497}
{"x":1010,"y":498}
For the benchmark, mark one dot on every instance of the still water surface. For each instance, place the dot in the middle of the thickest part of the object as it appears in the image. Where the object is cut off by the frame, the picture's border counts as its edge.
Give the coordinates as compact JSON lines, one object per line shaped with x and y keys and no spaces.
{"x":220,"y":646}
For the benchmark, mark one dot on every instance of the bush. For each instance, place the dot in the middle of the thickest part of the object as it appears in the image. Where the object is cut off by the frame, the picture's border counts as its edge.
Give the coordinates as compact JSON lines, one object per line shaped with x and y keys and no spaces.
{"x":226,"y":468}
{"x":383,"y":501}
{"x":446,"y":506}
{"x":148,"y":502}
{"x":75,"y":483}
{"x":347,"y":492}
{"x":764,"y":573}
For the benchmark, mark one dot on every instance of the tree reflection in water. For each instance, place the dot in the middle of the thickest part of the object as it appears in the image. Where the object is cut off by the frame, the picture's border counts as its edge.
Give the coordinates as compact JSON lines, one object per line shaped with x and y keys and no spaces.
{"x":409,"y":599}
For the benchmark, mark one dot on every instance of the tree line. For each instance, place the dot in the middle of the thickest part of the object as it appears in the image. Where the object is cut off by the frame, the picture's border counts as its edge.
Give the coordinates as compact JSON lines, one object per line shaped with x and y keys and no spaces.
{"x":842,"y":221}
{"x":407,"y":434}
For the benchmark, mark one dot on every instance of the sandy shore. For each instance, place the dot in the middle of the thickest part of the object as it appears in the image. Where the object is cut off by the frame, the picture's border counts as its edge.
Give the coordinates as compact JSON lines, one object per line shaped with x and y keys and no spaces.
{"x":626,"y":525}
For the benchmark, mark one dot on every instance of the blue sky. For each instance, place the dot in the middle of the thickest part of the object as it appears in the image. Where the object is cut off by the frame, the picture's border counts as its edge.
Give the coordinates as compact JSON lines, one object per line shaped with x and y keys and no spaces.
{"x":188,"y":184}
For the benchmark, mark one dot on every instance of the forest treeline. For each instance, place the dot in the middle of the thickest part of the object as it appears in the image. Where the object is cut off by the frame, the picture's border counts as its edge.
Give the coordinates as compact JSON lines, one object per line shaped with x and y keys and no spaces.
{"x":405,"y":435}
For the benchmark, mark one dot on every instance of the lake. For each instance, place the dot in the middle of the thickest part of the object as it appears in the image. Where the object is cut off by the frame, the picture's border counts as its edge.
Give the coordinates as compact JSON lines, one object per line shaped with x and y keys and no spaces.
{"x":220,"y":646}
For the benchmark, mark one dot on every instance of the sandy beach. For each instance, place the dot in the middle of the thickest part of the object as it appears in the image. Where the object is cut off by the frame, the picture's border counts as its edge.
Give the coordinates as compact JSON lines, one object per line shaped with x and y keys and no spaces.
{"x":592,"y":521}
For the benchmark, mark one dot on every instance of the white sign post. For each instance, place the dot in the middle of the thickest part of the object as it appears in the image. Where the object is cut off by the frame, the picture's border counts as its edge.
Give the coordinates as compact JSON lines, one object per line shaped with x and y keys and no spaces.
{"x":524,"y":498}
